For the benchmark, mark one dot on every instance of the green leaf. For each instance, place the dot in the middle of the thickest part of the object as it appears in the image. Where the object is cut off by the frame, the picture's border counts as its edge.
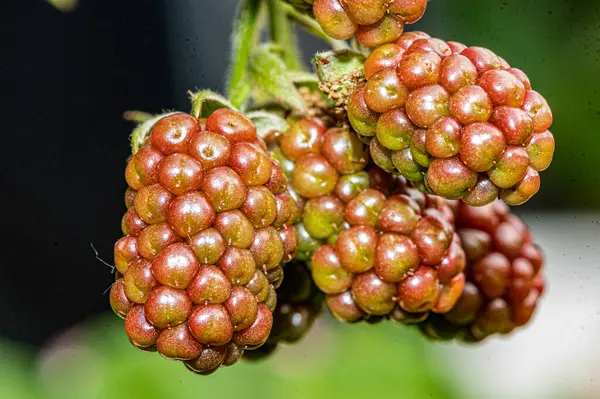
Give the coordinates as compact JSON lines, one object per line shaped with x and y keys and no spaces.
{"x":304,"y":79}
{"x":246,"y":32}
{"x":268,"y":122}
{"x":270,"y":74}
{"x":205,"y":102}
{"x":331,"y":66}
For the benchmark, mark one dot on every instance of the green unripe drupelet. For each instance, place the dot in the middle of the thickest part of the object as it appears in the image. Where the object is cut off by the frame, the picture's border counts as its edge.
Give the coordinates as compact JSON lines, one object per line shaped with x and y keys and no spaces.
{"x":455,"y":121}
{"x":208,"y":227}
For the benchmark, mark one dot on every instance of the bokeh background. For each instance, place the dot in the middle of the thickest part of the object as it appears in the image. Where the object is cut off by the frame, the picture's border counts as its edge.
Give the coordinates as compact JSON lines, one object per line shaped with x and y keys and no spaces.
{"x":67,"y":73}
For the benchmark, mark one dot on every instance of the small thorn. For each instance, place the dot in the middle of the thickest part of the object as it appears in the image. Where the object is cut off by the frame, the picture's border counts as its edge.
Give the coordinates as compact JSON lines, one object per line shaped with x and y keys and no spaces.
{"x":264,"y":269}
{"x":206,"y":260}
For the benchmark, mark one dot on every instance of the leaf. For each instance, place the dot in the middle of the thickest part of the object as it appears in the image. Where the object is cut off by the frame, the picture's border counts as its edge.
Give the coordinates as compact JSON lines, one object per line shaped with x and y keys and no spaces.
{"x":304,"y":79}
{"x":205,"y":102}
{"x":269,"y":73}
{"x":330,"y":66}
{"x":268,"y":122}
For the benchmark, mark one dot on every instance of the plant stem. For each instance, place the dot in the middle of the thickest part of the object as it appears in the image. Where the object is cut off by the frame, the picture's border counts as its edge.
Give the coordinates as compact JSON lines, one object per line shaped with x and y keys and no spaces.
{"x":282,"y":33}
{"x":246,"y":32}
{"x":313,"y":27}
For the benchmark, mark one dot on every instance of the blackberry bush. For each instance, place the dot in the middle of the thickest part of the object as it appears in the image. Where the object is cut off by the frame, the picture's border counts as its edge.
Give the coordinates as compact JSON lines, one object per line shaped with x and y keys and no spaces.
{"x":454,"y":120}
{"x":504,"y":276}
{"x":206,"y":235}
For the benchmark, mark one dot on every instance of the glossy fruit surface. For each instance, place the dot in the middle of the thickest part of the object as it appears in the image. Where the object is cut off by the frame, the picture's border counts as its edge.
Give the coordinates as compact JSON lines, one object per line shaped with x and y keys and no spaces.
{"x":207,"y":231}
{"x":454,"y":120}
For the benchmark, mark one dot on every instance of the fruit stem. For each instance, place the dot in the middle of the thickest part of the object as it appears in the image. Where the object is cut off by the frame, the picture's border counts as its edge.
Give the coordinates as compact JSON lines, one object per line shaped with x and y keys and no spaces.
{"x":313,"y":27}
{"x":245,"y":36}
{"x":282,"y":33}
{"x":137,"y":116}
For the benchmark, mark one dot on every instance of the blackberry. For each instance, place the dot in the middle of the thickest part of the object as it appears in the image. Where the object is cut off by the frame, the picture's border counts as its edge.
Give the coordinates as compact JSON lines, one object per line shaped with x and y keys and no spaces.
{"x":398,"y":254}
{"x":455,"y":121}
{"x":374,"y":243}
{"x":299,"y":303}
{"x":504,"y":276}
{"x":207,"y":230}
{"x":371,"y":22}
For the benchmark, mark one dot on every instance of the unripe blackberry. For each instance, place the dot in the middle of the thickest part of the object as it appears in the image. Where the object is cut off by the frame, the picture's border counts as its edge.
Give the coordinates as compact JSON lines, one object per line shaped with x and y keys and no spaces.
{"x":504,"y":276}
{"x":299,"y":302}
{"x":374,"y":244}
{"x":371,"y":22}
{"x":208,"y":226}
{"x":455,"y":121}
{"x":327,"y":169}
{"x":400,"y":254}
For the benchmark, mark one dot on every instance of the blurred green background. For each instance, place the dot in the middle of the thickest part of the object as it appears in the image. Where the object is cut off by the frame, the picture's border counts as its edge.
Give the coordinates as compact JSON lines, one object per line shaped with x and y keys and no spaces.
{"x":557,"y":43}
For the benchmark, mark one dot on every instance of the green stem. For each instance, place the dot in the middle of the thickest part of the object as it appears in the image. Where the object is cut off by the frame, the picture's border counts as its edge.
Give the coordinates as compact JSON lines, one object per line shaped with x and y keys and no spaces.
{"x":282,"y":33}
{"x":313,"y":27}
{"x":137,"y":116}
{"x":246,"y":32}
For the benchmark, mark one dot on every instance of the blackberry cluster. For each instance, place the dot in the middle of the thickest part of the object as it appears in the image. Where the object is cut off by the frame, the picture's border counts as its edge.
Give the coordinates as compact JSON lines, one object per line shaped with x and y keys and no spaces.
{"x":454,"y":120}
{"x":207,"y":229}
{"x":504,"y":276}
{"x":400,"y":254}
{"x":376,"y":246}
{"x":371,"y":22}
{"x":299,"y":302}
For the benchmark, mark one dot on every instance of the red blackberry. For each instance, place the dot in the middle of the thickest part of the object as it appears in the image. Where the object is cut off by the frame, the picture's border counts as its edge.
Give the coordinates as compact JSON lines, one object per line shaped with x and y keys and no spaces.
{"x":504,"y":276}
{"x":374,"y":244}
{"x":299,"y":302}
{"x":400,"y":254}
{"x":371,"y":22}
{"x":207,"y":229}
{"x":455,"y":121}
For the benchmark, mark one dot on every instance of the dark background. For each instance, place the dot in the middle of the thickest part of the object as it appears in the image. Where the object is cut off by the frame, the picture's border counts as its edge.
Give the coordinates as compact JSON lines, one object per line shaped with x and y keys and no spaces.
{"x":66,"y":78}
